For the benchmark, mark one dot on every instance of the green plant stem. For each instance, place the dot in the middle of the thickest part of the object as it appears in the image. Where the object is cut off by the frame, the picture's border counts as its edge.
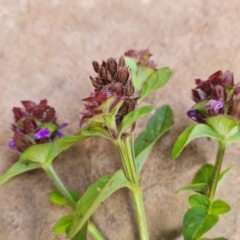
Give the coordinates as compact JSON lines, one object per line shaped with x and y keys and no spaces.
{"x":217,"y":169}
{"x":125,"y":149}
{"x":57,"y":181}
{"x":94,"y":231}
{"x":53,"y":175}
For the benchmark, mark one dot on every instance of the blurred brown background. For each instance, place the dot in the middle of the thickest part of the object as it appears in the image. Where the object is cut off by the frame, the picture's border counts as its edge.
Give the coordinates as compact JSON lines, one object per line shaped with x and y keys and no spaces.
{"x":46,"y":50}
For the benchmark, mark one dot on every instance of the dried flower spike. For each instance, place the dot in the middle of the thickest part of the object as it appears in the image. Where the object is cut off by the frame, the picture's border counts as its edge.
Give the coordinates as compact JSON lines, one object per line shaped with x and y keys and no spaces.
{"x":34,"y":124}
{"x":113,"y":80}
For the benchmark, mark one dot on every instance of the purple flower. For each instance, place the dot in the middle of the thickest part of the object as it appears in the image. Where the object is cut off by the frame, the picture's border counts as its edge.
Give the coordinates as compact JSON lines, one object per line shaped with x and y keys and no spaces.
{"x":12,"y":144}
{"x":29,"y":124}
{"x":42,"y":133}
{"x":214,"y":107}
{"x":196,"y":115}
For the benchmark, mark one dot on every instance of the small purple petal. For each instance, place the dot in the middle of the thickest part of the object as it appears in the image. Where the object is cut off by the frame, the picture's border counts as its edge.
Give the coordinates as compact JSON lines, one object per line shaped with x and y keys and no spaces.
{"x":12,"y":144}
{"x":214,"y":105}
{"x":63,"y":125}
{"x":59,"y":134}
{"x":44,"y":132}
{"x":196,"y":116}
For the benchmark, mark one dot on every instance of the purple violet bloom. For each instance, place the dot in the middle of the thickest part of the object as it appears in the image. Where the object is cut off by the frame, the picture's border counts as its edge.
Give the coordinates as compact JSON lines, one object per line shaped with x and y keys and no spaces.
{"x":196,"y":116}
{"x":59,"y":134}
{"x":63,"y":125}
{"x":42,"y":133}
{"x":12,"y":144}
{"x":214,"y":106}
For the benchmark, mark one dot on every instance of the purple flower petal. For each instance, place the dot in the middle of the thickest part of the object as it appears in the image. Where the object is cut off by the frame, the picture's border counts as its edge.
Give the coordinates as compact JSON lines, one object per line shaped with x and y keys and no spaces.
{"x":12,"y":144}
{"x":214,"y":105}
{"x":44,"y":132}
{"x":59,"y":134}
{"x":196,"y":116}
{"x":63,"y":125}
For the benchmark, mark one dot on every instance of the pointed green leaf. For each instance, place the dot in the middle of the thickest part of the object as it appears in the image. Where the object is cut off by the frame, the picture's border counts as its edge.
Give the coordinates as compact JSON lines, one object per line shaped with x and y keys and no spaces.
{"x":234,"y":138}
{"x":196,"y":222}
{"x":219,"y":207}
{"x":46,"y":152}
{"x":159,"y":123}
{"x":95,"y":130}
{"x":199,"y":201}
{"x":57,"y":198}
{"x":16,"y":169}
{"x":224,"y":125}
{"x":190,"y":133}
{"x":224,"y":174}
{"x":131,"y":64}
{"x":95,"y":195}
{"x":143,"y":73}
{"x":81,"y":235}
{"x":155,"y":81}
{"x":133,"y":116}
{"x":62,"y":224}
{"x":198,"y":187}
{"x":204,"y":174}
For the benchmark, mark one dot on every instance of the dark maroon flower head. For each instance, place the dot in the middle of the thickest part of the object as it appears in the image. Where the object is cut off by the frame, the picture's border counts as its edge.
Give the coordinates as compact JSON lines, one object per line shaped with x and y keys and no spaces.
{"x":214,"y":96}
{"x":34,"y":124}
{"x":114,"y":81}
{"x":142,"y":57}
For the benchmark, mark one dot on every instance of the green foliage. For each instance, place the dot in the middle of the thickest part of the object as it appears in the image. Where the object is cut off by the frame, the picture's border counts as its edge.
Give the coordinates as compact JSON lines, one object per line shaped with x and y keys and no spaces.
{"x":204,"y":174}
{"x":46,"y":152}
{"x":199,"y":201}
{"x":190,"y":133}
{"x":196,"y":222}
{"x":16,"y":169}
{"x":224,"y":125}
{"x":219,"y":207}
{"x":133,"y":116}
{"x":95,"y":130}
{"x":159,"y":124}
{"x":95,"y":195}
{"x":62,"y":224}
{"x":156,"y":80}
{"x":197,"y":187}
{"x":57,"y":198}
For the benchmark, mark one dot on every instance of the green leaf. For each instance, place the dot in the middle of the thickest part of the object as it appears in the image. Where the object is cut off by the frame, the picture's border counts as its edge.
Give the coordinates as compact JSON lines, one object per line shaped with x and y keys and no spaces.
{"x":133,"y":116}
{"x":16,"y":169}
{"x":219,"y":207}
{"x":57,"y":198}
{"x":224,"y":174}
{"x":204,"y":174}
{"x":233,"y":138}
{"x":155,"y":81}
{"x":159,"y":124}
{"x":131,"y":64}
{"x":95,"y":195}
{"x":196,"y":222}
{"x":81,"y":235}
{"x":199,"y":201}
{"x":198,"y":187}
{"x":62,"y":224}
{"x":190,"y":133}
{"x":224,"y":125}
{"x":143,"y":73}
{"x":95,"y":130}
{"x":46,"y":152}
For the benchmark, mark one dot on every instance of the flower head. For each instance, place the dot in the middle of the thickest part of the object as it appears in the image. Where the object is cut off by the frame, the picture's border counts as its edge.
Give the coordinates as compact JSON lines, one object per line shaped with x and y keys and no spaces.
{"x":34,"y":124}
{"x":113,"y":81}
{"x":214,"y":96}
{"x":142,"y":57}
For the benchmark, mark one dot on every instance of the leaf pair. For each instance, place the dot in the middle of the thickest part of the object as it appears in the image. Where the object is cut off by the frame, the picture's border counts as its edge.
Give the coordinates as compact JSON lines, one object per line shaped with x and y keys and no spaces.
{"x":202,"y":216}
{"x":147,"y":80}
{"x":202,"y":180}
{"x":221,"y":127}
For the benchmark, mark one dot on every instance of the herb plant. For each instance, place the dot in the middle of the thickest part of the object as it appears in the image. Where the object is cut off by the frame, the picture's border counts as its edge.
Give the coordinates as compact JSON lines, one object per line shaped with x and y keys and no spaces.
{"x":111,"y":112}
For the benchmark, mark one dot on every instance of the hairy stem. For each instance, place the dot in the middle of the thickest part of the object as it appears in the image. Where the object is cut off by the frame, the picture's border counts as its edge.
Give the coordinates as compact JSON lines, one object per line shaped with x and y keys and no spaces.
{"x":126,"y":151}
{"x":217,"y":169}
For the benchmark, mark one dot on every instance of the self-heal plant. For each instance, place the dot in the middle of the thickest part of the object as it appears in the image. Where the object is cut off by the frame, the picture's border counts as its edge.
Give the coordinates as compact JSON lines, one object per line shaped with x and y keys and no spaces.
{"x":111,"y":111}
{"x":217,"y":113}
{"x":39,"y":139}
